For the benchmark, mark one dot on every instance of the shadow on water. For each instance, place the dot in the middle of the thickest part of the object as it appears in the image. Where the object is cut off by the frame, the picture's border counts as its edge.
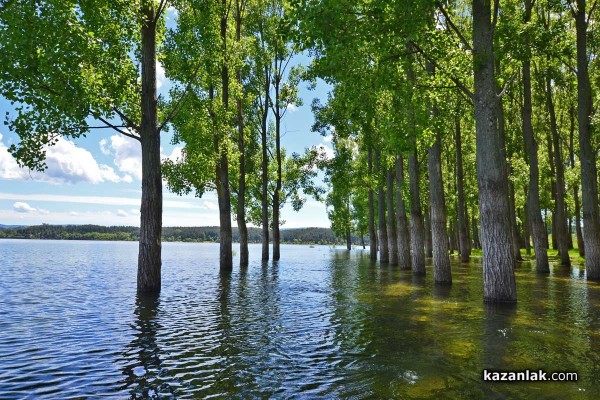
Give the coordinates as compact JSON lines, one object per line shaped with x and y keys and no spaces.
{"x":144,"y":370}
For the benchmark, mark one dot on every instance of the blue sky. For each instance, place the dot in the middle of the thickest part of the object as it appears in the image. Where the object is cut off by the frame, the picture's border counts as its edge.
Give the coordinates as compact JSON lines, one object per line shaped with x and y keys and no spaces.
{"x":96,"y":179}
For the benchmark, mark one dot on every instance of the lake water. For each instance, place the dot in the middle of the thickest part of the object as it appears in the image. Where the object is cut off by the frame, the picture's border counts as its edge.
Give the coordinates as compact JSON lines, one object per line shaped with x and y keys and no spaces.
{"x":321,"y":323}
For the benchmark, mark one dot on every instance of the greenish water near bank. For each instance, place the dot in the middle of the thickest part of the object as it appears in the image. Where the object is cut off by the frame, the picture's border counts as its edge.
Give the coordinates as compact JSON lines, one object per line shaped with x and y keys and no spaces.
{"x":321,"y":323}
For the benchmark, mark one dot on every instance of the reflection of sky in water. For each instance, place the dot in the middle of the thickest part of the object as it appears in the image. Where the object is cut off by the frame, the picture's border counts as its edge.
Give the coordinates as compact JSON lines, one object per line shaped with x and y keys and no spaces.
{"x":319,"y":324}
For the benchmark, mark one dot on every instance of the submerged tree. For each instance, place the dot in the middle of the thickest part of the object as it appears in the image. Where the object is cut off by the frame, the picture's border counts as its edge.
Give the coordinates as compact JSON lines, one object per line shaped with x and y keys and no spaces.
{"x":74,"y":66}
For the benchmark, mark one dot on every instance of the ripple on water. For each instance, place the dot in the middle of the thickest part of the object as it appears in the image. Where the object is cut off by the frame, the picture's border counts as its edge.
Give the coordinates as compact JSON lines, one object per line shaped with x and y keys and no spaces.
{"x":320,"y":323}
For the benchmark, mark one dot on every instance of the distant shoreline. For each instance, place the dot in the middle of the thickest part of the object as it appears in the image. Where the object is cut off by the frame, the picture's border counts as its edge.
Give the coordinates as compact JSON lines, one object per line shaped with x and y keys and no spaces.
{"x":208,"y":234}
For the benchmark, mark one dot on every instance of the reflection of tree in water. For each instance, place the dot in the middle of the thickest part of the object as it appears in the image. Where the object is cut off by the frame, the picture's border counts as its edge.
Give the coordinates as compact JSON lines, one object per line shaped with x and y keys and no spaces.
{"x":144,"y":372}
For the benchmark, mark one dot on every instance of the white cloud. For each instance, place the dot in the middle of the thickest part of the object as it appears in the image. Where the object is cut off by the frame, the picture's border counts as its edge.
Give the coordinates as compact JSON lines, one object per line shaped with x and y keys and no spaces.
{"x":328,"y":138}
{"x":127,"y":155}
{"x":73,"y":213}
{"x":66,"y":163}
{"x":22,"y":207}
{"x":291,"y":107}
{"x":121,"y":213}
{"x":115,"y":201}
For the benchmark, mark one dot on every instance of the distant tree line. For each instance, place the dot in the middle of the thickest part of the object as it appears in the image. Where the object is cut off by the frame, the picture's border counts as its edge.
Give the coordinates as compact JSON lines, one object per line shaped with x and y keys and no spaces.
{"x":169,"y":234}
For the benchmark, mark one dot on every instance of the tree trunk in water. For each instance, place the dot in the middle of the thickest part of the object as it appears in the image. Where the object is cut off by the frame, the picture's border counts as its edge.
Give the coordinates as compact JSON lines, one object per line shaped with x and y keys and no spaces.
{"x":587,"y":154}
{"x":264,"y":172}
{"x":463,"y":237}
{"x":560,"y":219}
{"x":580,"y":243}
{"x":417,"y":234}
{"x":384,"y":255}
{"x":441,"y":260}
{"x":362,"y":240}
{"x":496,"y":239}
{"x":348,"y":239}
{"x":401,"y":220}
{"x":553,"y":190}
{"x":476,"y":241}
{"x":511,"y":202}
{"x":514,"y":225}
{"x":276,"y":232}
{"x":372,"y":234}
{"x":428,"y":238}
{"x":391,"y":218}
{"x":241,"y":203}
{"x":538,"y":232}
{"x":149,"y":255}
{"x":222,"y":169}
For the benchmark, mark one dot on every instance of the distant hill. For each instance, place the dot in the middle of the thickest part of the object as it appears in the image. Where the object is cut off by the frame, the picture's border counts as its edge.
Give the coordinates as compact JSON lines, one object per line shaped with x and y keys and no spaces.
{"x":10,"y":226}
{"x":170,"y":234}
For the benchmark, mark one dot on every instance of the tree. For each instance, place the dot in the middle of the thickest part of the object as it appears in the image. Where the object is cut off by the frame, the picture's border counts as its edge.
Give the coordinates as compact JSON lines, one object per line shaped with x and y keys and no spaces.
{"x":496,"y":240}
{"x":70,"y":63}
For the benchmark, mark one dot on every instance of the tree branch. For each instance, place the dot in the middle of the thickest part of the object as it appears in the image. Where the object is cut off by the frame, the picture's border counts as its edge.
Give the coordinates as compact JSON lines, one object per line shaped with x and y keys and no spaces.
{"x":452,"y":26}
{"x":456,"y":81}
{"x":117,"y":128}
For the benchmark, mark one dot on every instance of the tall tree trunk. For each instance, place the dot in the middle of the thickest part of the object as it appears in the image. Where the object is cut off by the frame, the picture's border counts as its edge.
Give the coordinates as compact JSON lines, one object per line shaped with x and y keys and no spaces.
{"x":149,"y":255}
{"x":553,"y":190}
{"x":560,"y":219}
{"x":496,"y":240}
{"x":265,"y":168}
{"x":441,"y":259}
{"x":222,"y":165}
{"x":463,"y":237}
{"x":401,"y":220}
{"x":362,"y":240}
{"x":538,"y":232}
{"x":587,"y":153}
{"x":580,"y":242}
{"x":417,"y":234}
{"x":428,"y":234}
{"x":384,"y":255}
{"x":348,"y":239}
{"x":513,"y":219}
{"x":514,"y":225}
{"x":276,"y":195}
{"x":372,"y":233}
{"x":391,"y":217}
{"x":241,"y":203}
{"x":475,"y":229}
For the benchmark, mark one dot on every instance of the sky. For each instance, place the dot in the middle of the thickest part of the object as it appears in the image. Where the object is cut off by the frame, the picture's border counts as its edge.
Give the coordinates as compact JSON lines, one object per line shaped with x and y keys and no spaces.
{"x":96,"y":179}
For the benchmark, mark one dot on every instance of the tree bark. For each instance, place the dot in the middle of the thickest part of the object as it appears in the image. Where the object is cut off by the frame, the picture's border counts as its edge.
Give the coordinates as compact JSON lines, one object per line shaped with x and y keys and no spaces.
{"x":580,"y":242}
{"x":463,"y":237}
{"x":428,"y":235}
{"x":417,"y":234}
{"x":560,"y":219}
{"x":222,"y":166}
{"x":441,"y":259}
{"x":276,"y":195}
{"x":149,"y":255}
{"x":514,"y":225}
{"x":538,"y":232}
{"x":391,"y":217}
{"x":401,"y":220}
{"x":496,"y":240}
{"x":372,"y":234}
{"x":265,"y":168}
{"x":241,"y":203}
{"x":384,"y":255}
{"x":511,"y":197}
{"x":587,"y":153}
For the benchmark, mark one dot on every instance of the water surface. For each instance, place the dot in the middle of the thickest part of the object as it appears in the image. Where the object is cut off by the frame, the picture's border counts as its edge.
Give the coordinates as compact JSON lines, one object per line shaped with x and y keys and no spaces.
{"x":321,"y":323}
